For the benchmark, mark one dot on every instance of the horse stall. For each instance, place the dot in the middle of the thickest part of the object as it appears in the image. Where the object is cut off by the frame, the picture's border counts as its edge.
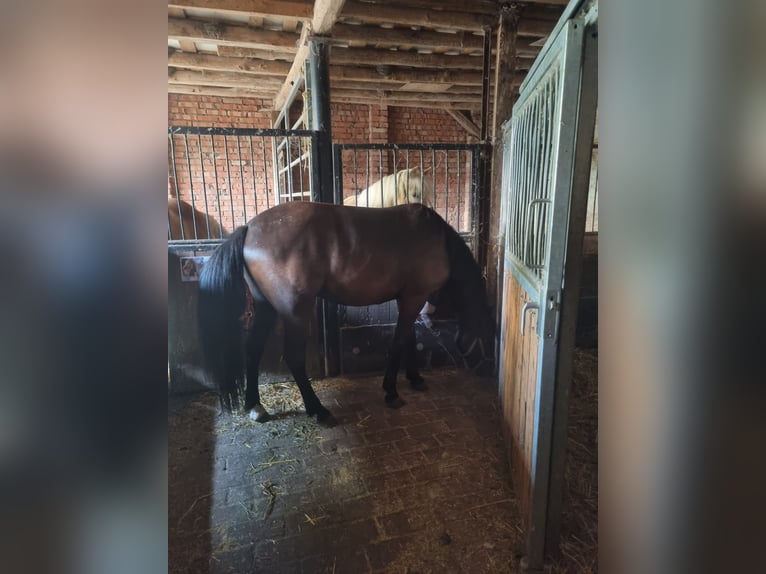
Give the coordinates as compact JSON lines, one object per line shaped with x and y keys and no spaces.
{"x":442,"y":176}
{"x":296,"y":104}
{"x":218,"y":179}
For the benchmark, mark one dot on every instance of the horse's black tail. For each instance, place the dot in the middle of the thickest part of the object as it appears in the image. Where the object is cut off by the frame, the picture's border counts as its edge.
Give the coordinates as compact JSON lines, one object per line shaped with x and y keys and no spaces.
{"x":221,"y":304}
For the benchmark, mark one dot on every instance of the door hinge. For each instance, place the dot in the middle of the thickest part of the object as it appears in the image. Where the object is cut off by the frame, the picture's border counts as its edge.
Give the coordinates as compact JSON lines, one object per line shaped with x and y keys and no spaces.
{"x":551,"y":314}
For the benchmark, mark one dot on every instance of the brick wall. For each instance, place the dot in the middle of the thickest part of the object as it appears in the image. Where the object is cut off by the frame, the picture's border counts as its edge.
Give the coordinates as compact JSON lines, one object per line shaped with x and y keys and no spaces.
{"x":233,"y":191}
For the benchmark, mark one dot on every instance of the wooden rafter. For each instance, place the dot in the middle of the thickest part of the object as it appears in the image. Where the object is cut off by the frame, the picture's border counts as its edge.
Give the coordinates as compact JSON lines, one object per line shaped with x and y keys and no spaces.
{"x":398,"y":36}
{"x":226,"y":64}
{"x":299,"y":9}
{"x":371,"y":56}
{"x":465,"y":122}
{"x":218,"y":91}
{"x":429,"y":18}
{"x":324,"y":15}
{"x":399,"y":75}
{"x":227,"y":35}
{"x":224,"y":80}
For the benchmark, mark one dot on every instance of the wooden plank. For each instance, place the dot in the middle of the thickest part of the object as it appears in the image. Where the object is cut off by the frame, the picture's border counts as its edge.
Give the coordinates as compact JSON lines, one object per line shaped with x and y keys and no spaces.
{"x":396,"y":103}
{"x":295,"y":70}
{"x":227,"y":35}
{"x":300,"y":9}
{"x":387,"y":14}
{"x":407,"y":96}
{"x":238,"y":52}
{"x":396,"y":37}
{"x":223,"y":79}
{"x":363,"y":74}
{"x":486,"y":7}
{"x":326,"y":13}
{"x":225,"y":64}
{"x":222,"y":92}
{"x":371,"y":56}
{"x":465,"y":122}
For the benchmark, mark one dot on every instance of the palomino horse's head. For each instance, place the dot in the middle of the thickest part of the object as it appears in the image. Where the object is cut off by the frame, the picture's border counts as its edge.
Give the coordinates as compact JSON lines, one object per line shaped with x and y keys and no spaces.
{"x":475,"y":341}
{"x":414,"y":187}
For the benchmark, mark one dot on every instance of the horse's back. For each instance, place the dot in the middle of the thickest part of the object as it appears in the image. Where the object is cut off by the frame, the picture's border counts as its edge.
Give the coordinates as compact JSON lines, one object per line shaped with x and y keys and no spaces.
{"x":191,"y":219}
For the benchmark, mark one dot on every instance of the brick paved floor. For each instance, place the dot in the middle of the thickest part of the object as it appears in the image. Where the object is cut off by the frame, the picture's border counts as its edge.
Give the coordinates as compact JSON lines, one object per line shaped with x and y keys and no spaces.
{"x":425,"y":488}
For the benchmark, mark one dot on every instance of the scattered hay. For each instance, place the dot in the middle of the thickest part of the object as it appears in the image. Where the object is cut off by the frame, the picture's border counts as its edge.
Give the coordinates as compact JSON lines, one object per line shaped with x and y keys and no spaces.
{"x":579,"y":528}
{"x":269,"y":490}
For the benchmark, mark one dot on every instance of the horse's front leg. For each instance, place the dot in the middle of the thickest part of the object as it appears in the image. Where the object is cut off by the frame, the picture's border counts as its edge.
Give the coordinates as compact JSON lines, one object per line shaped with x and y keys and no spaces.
{"x":411,"y":363}
{"x":408,"y":310}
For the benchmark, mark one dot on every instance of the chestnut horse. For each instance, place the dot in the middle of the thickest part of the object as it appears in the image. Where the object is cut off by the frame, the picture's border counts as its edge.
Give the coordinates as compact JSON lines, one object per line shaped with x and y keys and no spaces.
{"x":293,"y":253}
{"x":186,"y":222}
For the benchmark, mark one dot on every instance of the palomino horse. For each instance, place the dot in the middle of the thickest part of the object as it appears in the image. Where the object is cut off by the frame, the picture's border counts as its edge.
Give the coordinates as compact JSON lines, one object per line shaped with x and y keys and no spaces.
{"x":404,"y":186}
{"x":192,"y":221}
{"x":292,"y":253}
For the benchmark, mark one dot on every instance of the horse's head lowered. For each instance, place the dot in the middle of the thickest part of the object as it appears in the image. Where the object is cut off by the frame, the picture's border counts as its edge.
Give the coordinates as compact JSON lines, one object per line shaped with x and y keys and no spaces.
{"x":475,"y":341}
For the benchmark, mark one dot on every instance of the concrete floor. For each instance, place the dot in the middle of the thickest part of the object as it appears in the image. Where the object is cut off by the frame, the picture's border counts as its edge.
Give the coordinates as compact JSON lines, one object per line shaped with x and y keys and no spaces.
{"x":422,"y":489}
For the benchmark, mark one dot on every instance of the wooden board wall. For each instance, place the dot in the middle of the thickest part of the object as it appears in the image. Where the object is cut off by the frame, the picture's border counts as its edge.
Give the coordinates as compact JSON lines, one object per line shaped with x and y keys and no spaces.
{"x":518,"y":369}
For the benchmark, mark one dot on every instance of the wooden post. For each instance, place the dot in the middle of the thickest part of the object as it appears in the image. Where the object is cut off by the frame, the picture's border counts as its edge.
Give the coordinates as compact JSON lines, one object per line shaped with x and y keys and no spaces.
{"x":505,"y":63}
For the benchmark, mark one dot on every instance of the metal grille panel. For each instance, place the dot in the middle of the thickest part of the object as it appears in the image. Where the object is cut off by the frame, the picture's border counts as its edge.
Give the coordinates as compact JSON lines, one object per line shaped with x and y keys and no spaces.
{"x":529,"y":166}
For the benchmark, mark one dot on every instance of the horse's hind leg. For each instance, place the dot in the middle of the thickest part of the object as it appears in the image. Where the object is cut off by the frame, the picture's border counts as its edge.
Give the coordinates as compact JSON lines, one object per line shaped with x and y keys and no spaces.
{"x":408,"y":310}
{"x":295,"y":357}
{"x":257,"y":337}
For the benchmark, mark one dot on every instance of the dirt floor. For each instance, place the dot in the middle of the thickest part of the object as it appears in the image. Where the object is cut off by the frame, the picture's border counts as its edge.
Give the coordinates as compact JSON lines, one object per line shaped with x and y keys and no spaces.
{"x":425,"y":488}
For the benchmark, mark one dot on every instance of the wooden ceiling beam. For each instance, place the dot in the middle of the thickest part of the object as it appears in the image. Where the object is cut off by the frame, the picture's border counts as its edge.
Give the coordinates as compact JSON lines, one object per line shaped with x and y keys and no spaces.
{"x":397,"y":103}
{"x":226,"y":64}
{"x":407,"y":96}
{"x":325,"y":14}
{"x":217,"y":91}
{"x":224,"y":80}
{"x":371,"y":56}
{"x":428,"y":18}
{"x":465,"y":122}
{"x":237,"y":52}
{"x":228,"y":35}
{"x":486,"y":7}
{"x":300,"y":9}
{"x":363,"y":74}
{"x":397,"y":36}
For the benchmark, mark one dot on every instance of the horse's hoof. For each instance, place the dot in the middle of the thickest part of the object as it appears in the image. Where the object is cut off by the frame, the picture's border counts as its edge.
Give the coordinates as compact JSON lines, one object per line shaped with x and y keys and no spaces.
{"x":258,"y":414}
{"x":419,"y":385}
{"x":395,"y":403}
{"x":327,"y":421}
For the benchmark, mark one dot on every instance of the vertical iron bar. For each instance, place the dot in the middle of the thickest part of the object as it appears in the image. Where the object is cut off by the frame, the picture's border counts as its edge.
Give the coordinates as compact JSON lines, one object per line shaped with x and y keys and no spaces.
{"x":241,"y":181}
{"x":231,"y":188}
{"x":396,"y":182}
{"x":338,"y":163}
{"x":433,"y":177}
{"x":356,"y":183}
{"x":422,"y":177}
{"x":459,"y":201}
{"x":407,"y":180}
{"x":178,"y":195}
{"x":252,"y":169}
{"x":289,"y":170}
{"x":380,"y":165}
{"x":204,"y":183}
{"x":367,"y":159}
{"x":191,"y":185}
{"x":217,"y":191}
{"x":446,"y":185}
{"x":266,"y":169}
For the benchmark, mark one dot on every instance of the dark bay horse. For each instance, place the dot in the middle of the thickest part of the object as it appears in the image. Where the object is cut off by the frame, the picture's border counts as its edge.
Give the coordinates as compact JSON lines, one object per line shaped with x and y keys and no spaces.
{"x":292,"y":253}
